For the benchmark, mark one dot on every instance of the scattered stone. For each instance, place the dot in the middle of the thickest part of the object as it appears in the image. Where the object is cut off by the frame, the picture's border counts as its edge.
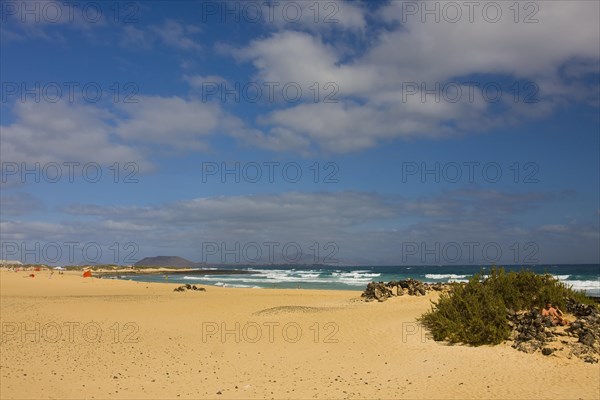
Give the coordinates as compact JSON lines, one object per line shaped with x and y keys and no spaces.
{"x":377,"y":291}
{"x":581,"y":310}
{"x":381,"y":291}
{"x":547,"y":351}
{"x":530,"y":346}
{"x":587,"y":338}
{"x":531,"y":331}
{"x":183,"y":288}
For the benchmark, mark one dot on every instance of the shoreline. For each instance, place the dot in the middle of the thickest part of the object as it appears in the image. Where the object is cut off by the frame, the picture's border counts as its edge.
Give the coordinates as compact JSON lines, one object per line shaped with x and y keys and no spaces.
{"x":159,"y":271}
{"x":108,"y":286}
{"x":115,"y":274}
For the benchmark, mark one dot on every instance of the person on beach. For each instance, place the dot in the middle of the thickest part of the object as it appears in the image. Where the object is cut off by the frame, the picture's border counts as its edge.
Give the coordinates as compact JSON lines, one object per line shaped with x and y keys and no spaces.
{"x":555,"y":314}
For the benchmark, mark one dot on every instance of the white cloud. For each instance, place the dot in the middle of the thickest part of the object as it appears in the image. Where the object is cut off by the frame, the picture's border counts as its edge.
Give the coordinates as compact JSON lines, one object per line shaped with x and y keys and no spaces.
{"x":45,"y":132}
{"x":170,"y":33}
{"x":135,"y":38}
{"x":300,"y":57}
{"x":18,"y":204}
{"x":61,"y":132}
{"x":364,"y":225}
{"x":42,"y":19}
{"x":372,"y":85}
{"x":292,"y":211}
{"x":178,"y":35}
{"x":314,"y":16}
{"x":174,"y":121}
{"x":436,"y":51}
{"x":555,"y":228}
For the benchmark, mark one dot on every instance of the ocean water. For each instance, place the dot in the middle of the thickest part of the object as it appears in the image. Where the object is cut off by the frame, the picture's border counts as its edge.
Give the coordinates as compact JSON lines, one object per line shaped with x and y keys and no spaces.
{"x":584,"y":277}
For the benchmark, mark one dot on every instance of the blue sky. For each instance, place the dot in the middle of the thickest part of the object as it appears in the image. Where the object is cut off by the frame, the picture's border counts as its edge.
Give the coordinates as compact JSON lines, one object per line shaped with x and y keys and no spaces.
{"x":488,"y":90}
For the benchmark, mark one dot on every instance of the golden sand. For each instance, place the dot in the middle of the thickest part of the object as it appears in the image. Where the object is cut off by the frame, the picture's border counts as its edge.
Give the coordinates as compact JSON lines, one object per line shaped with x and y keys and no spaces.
{"x":68,"y":337}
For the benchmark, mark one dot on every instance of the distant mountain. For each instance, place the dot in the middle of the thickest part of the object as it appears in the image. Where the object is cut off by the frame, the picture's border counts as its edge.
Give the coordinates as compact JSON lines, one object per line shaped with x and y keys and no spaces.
{"x":166,"y":261}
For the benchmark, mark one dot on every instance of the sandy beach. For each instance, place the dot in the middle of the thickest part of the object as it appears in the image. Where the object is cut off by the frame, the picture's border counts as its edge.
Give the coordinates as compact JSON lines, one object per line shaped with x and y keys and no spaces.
{"x":68,"y":337}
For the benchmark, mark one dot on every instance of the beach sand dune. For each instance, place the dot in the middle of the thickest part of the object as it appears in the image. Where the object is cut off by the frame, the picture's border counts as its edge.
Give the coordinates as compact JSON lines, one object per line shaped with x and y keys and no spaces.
{"x":70,"y":337}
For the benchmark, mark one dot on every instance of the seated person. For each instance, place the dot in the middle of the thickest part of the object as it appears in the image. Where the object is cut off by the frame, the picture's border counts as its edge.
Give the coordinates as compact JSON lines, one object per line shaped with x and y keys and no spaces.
{"x":555,"y":314}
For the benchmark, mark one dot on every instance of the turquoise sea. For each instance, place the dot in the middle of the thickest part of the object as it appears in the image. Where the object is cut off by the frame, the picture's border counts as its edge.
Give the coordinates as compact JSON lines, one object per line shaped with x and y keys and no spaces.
{"x":584,"y":277}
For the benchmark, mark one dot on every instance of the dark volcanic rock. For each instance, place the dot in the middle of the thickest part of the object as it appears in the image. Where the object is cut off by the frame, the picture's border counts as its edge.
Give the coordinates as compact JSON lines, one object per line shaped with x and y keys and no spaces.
{"x":529,"y":346}
{"x":377,"y":291}
{"x":438,"y":286}
{"x":587,"y":338}
{"x":581,"y":310}
{"x":183,"y":288}
{"x":547,"y":351}
{"x":381,"y":291}
{"x":531,"y":331}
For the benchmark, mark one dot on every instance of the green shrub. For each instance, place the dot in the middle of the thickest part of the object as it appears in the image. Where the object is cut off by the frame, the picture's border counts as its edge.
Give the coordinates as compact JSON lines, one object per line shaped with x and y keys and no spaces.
{"x":476,"y":313}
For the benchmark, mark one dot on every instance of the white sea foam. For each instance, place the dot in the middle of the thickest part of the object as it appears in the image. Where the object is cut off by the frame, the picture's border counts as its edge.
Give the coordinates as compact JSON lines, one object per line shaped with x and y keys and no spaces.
{"x":275,"y":276}
{"x":356,"y":274}
{"x":224,"y":279}
{"x":583,"y":285}
{"x":359,"y":278}
{"x":354,"y":278}
{"x":237,"y":285}
{"x":445,"y":276}
{"x":309,"y":275}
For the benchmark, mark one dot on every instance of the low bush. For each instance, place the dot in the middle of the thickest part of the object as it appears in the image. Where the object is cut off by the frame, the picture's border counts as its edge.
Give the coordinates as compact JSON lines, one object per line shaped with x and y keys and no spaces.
{"x":476,"y":312}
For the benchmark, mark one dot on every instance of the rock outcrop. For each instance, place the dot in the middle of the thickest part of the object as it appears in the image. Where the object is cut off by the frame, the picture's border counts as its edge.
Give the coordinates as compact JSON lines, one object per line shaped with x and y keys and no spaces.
{"x":381,"y":291}
{"x":531,"y":332}
{"x":184,"y":288}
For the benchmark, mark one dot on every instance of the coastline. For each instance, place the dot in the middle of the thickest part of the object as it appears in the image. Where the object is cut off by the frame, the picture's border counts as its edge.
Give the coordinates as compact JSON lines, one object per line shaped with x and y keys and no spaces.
{"x":172,"y":271}
{"x":231,"y":343}
{"x":582,"y":277}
